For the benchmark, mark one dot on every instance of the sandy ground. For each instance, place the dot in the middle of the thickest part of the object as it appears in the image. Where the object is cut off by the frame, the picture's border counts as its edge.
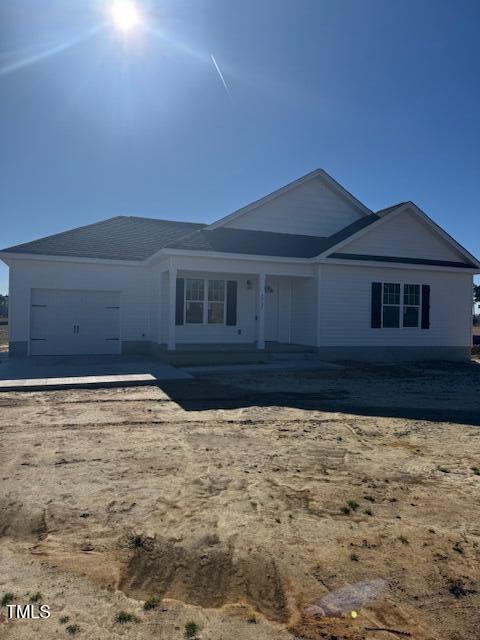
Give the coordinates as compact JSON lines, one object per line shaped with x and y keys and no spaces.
{"x":223,"y":500}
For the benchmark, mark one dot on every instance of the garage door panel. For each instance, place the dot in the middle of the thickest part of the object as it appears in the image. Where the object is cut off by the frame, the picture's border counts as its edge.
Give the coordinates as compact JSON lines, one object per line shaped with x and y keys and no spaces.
{"x":74,"y":322}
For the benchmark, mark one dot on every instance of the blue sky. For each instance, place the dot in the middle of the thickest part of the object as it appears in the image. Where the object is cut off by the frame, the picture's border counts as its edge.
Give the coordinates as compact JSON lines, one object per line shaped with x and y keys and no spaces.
{"x":382,"y":94}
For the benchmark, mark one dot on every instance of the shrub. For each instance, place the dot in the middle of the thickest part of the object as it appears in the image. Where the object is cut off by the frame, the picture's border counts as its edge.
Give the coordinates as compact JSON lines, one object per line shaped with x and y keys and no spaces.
{"x":7,"y":598}
{"x":123,"y":617}
{"x":36,"y":597}
{"x":72,"y":629}
{"x":149,"y":604}
{"x":191,"y":629}
{"x":457,"y":589}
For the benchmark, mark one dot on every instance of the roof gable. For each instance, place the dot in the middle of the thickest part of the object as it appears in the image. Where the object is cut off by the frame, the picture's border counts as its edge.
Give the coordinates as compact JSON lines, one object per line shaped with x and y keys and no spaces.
{"x":404,"y":230}
{"x":314,"y":205}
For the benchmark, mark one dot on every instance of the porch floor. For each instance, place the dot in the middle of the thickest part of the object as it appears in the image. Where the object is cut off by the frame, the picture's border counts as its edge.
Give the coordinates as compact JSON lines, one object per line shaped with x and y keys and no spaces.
{"x":210,"y":354}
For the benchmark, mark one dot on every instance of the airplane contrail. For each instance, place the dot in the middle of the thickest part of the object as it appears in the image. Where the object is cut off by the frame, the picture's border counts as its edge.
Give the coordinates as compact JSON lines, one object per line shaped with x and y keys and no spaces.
{"x":221,"y":77}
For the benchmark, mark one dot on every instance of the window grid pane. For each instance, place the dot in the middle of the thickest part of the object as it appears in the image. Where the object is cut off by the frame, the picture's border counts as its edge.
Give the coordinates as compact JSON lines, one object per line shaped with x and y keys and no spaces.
{"x":391,"y":293}
{"x":216,"y":290}
{"x":411,"y":294}
{"x":195,"y":289}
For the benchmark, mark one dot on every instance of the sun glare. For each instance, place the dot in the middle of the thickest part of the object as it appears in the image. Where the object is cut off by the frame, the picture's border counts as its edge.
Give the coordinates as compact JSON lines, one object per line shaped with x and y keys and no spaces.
{"x":125,"y":15}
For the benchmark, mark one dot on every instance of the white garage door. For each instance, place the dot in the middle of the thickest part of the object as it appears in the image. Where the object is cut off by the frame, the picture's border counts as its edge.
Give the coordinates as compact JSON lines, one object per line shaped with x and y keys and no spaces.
{"x":67,"y":322}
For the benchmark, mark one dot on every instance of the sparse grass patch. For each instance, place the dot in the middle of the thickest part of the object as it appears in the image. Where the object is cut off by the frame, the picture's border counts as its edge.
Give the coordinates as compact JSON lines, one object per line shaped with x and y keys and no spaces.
{"x":191,"y":629}
{"x":123,"y":617}
{"x":151,"y":603}
{"x":36,"y":597}
{"x":354,"y":557}
{"x":458,"y":547}
{"x":368,"y":512}
{"x":369,"y":498}
{"x":72,"y":629}
{"x":345,"y":510}
{"x":64,"y":619}
{"x":403,"y":539}
{"x":7,"y":598}
{"x":352,"y":504}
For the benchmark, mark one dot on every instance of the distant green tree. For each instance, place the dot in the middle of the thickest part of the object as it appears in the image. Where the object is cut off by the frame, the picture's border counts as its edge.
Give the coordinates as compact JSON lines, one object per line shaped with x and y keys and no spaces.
{"x":476,"y":293}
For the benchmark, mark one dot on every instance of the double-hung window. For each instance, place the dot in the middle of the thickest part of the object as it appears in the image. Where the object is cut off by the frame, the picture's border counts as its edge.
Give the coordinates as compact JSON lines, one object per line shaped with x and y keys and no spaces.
{"x":204,"y":301}
{"x":216,"y":302}
{"x":194,"y":300}
{"x":411,"y":305}
{"x":391,"y":304}
{"x":400,"y":305}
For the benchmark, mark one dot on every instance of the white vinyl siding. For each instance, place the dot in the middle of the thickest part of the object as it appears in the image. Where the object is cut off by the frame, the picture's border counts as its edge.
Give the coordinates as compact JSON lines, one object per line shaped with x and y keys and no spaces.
{"x":405,"y":236}
{"x":133,"y":283}
{"x":345,"y":307}
{"x":216,"y":332}
{"x":312,"y":208}
{"x":304,"y":311}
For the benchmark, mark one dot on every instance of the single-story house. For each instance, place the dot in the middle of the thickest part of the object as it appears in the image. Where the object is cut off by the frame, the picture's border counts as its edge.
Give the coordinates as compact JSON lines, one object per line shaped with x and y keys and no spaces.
{"x":306,"y":265}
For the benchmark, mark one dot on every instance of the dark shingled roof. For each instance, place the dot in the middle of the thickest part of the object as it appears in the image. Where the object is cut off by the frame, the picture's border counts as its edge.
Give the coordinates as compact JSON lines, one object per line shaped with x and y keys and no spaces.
{"x":266,"y":243}
{"x":135,"y":238}
{"x":119,"y":238}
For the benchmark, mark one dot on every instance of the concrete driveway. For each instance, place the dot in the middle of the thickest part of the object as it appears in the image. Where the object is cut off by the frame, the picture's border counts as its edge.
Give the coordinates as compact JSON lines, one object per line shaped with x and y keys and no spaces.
{"x":61,"y":372}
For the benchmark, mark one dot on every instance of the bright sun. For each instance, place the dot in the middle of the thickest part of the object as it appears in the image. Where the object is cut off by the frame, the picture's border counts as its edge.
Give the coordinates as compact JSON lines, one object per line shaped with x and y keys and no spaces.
{"x":125,"y":15}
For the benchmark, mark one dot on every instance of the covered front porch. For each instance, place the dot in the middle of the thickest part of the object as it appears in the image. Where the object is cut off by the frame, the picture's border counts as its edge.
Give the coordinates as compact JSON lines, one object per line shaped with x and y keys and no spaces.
{"x":220,"y":310}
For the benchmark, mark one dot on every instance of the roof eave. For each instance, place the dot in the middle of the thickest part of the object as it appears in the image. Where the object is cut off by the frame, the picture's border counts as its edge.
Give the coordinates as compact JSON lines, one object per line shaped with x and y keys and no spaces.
{"x":8,"y":257}
{"x":397,"y":265}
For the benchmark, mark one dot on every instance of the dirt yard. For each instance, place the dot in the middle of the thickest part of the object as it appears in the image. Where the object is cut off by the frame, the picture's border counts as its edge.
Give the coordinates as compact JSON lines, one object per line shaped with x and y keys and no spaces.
{"x":237,"y":504}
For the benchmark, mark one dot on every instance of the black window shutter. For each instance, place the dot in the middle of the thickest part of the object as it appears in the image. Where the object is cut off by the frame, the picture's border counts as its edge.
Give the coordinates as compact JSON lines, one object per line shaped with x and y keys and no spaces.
{"x":231,"y":302}
{"x":179,"y":301}
{"x":425,"y":306}
{"x":376,"y":305}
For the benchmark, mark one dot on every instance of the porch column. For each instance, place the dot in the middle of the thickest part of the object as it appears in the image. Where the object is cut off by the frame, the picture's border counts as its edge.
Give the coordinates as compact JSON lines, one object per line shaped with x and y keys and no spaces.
{"x":172,"y":303}
{"x":261,"y":312}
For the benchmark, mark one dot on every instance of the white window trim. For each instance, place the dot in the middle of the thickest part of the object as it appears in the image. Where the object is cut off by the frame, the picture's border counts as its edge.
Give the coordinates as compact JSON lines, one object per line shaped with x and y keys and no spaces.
{"x":205,"y":302}
{"x":402,"y":305}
